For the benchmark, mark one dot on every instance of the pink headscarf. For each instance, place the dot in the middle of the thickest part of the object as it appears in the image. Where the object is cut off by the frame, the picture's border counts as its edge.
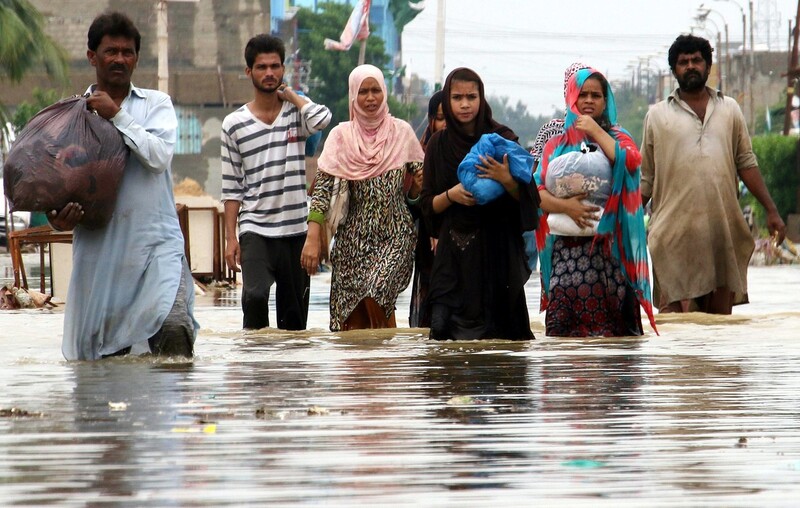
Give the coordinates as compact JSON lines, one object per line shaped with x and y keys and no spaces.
{"x":370,"y":144}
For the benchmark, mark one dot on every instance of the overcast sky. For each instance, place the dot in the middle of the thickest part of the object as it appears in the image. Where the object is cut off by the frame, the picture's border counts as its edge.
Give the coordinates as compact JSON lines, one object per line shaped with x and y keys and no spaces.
{"x":521,"y":47}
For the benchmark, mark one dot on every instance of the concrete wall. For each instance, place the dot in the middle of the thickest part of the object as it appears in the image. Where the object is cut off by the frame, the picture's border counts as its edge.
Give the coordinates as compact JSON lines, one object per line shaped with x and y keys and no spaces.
{"x":206,"y":62}
{"x":206,"y":44}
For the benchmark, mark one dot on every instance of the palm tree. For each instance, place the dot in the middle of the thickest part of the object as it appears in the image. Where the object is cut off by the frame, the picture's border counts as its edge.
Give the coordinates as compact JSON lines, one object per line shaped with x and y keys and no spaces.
{"x":24,"y":46}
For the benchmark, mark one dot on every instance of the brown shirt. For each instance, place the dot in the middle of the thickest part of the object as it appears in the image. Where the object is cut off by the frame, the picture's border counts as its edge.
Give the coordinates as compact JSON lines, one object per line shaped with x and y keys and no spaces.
{"x":698,"y":238}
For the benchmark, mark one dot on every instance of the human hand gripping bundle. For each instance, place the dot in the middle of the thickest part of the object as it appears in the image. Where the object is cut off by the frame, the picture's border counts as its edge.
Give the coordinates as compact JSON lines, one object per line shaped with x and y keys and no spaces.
{"x":485,"y":190}
{"x":587,"y":171}
{"x":66,"y":154}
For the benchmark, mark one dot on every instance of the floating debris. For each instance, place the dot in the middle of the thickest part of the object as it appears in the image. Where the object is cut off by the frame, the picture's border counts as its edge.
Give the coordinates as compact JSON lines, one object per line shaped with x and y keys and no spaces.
{"x":117,"y":406}
{"x":12,"y":298}
{"x":466,"y":400}
{"x":16,"y":412}
{"x":205,"y":429}
{"x":583,"y":463}
{"x":768,"y":253}
{"x":317,"y":411}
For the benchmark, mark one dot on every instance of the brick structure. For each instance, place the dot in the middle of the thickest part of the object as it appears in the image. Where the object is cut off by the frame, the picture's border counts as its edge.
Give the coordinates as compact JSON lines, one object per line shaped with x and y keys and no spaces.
{"x":206,"y":65}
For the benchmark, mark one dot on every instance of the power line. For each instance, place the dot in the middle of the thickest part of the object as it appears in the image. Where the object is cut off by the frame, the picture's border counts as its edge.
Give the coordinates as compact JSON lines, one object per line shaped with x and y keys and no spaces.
{"x":548,"y":36}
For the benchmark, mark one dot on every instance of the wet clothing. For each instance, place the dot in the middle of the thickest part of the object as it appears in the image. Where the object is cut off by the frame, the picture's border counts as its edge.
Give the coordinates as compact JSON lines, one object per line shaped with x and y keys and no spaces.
{"x":262,"y":259}
{"x":620,"y":241}
{"x":479,"y":269}
{"x":373,"y":247}
{"x":419,"y":311}
{"x":264,"y":169}
{"x":176,"y":336}
{"x":373,"y":250}
{"x":698,"y":236}
{"x":368,"y":315}
{"x":589,"y":296}
{"x":125,"y":276}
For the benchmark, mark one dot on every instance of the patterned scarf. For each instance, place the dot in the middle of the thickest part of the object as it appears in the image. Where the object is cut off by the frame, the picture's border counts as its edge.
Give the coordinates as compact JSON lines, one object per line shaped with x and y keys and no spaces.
{"x":556,"y":125}
{"x":621,"y":228}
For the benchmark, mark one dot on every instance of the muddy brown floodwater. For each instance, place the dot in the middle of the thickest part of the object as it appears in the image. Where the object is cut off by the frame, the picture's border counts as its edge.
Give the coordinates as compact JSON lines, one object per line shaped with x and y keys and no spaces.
{"x":706,"y":414}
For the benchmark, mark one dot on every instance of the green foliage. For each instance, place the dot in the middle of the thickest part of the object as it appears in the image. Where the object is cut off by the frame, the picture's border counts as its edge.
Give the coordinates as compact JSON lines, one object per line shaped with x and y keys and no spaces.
{"x":631,"y":109}
{"x":24,"y":45}
{"x":27,"y":110}
{"x":407,"y":112}
{"x":517,"y":117}
{"x":777,"y":159}
{"x":777,"y":113}
{"x":330,"y":69}
{"x":402,"y":13}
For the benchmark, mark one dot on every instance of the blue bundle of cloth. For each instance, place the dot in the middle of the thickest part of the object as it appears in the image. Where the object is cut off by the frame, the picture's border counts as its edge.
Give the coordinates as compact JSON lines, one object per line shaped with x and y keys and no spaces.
{"x":485,"y":190}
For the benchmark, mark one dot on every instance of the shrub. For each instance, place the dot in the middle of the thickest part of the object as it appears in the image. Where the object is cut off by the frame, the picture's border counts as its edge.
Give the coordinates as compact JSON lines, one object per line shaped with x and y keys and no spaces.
{"x":777,"y":159}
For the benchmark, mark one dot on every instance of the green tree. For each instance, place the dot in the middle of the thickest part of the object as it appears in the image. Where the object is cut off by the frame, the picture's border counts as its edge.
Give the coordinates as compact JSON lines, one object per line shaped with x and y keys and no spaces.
{"x":777,"y":159}
{"x":631,"y":109}
{"x":402,"y":12}
{"x":330,"y":69}
{"x":28,"y":109}
{"x":407,"y":112}
{"x":777,"y":114}
{"x":525,"y":125}
{"x":25,"y":46}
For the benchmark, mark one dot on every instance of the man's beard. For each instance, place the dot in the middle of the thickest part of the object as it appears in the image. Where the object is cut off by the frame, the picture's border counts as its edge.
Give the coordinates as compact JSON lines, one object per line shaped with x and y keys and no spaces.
{"x":692,"y":81}
{"x":266,"y":89}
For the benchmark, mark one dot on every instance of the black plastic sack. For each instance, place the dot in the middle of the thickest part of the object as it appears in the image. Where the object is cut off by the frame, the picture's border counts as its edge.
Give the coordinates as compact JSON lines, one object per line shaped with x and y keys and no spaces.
{"x":65,"y":154}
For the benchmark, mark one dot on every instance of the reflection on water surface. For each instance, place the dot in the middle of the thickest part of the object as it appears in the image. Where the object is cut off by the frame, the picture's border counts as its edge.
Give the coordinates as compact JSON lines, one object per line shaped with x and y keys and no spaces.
{"x":704,"y":414}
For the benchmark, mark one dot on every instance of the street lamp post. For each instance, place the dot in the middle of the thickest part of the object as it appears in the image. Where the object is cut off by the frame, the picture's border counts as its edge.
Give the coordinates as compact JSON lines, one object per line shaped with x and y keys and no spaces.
{"x":702,"y":18}
{"x":752,"y":73}
{"x":702,"y":14}
{"x":748,"y":67}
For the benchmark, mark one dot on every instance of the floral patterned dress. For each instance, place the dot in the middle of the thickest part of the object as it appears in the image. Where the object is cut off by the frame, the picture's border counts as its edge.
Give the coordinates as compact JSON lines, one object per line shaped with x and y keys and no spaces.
{"x":373,"y":250}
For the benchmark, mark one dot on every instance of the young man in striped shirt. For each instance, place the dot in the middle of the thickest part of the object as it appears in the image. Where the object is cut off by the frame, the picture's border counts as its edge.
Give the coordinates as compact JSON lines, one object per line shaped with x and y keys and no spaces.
{"x":264,"y":187}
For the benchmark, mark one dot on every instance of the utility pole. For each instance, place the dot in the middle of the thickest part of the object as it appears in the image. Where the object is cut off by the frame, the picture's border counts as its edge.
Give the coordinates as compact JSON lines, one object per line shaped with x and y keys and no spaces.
{"x":752,"y":75}
{"x":744,"y":75}
{"x":162,"y":37}
{"x":791,"y":75}
{"x":438,"y":64}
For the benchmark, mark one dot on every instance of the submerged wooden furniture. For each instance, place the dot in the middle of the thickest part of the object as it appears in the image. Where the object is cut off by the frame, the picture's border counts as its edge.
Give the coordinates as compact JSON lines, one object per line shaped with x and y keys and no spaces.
{"x":208,"y":246}
{"x":203,"y":225}
{"x":41,"y":236}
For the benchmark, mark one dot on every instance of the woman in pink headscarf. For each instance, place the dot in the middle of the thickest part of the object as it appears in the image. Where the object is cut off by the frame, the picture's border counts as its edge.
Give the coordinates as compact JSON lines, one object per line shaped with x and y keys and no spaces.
{"x":373,"y":252}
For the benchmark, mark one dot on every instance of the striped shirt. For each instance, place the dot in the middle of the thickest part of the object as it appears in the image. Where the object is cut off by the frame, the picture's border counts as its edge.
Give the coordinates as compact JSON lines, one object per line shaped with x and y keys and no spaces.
{"x":263,"y":167}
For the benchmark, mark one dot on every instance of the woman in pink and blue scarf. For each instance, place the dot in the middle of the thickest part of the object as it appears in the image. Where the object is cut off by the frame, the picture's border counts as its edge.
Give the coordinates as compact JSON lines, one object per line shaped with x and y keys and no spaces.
{"x":592,"y":253}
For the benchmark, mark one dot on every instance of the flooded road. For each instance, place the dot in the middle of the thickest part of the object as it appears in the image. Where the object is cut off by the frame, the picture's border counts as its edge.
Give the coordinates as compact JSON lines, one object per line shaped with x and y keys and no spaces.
{"x":706,"y":414}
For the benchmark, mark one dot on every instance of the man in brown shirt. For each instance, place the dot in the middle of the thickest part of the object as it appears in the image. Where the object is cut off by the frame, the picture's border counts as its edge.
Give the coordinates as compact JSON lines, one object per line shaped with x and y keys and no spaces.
{"x":695,"y":146}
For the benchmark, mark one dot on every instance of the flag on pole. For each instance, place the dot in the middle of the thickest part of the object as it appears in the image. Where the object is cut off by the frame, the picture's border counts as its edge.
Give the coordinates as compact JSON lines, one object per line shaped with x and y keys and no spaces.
{"x":357,"y":28}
